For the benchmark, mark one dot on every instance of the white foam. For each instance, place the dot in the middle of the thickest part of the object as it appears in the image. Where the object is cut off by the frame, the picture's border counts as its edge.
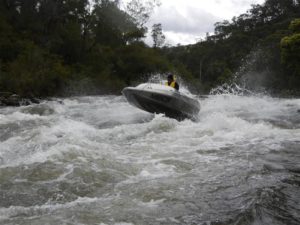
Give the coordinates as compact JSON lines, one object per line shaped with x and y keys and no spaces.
{"x":12,"y":211}
{"x":146,"y":153}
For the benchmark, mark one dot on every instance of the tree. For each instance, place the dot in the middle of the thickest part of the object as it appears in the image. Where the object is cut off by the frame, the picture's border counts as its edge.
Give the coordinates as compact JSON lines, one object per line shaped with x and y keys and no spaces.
{"x":290,"y":54}
{"x":248,"y":45}
{"x":140,"y":10}
{"x":157,"y":35}
{"x":35,"y":72}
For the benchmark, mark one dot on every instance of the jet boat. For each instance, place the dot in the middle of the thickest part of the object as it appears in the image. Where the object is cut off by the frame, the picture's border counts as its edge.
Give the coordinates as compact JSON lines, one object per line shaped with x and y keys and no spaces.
{"x":159,"y":98}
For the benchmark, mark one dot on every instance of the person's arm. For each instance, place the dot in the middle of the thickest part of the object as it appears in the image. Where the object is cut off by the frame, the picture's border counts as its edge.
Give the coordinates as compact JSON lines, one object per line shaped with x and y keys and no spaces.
{"x":176,"y":86}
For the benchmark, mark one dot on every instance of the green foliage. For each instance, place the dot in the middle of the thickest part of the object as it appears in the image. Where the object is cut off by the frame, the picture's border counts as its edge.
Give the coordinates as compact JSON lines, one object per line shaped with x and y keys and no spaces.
{"x":134,"y":61}
{"x":295,"y":26}
{"x":71,"y":47}
{"x":36,"y":72}
{"x":291,"y":51}
{"x":9,"y":46}
{"x":248,"y":48}
{"x":290,"y":54}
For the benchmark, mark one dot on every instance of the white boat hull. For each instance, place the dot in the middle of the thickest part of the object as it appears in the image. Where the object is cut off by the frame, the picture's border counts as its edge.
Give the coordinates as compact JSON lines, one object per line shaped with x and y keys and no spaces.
{"x":156,"y":98}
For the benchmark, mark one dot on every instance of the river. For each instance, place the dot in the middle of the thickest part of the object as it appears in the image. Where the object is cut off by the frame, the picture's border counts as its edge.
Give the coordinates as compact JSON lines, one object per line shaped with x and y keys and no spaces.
{"x":98,"y":160}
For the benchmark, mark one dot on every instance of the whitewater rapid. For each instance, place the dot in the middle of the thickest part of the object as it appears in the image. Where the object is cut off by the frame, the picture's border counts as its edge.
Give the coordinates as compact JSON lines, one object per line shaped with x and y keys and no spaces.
{"x":98,"y":160}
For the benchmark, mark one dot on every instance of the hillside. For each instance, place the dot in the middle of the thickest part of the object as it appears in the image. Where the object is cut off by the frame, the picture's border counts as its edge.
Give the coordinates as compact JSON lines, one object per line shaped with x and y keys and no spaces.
{"x":258,"y":49}
{"x":58,"y":48}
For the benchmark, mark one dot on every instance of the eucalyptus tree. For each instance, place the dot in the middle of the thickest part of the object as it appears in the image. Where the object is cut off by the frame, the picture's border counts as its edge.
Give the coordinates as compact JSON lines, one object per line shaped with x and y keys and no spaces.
{"x":290,"y":54}
{"x":157,"y":35}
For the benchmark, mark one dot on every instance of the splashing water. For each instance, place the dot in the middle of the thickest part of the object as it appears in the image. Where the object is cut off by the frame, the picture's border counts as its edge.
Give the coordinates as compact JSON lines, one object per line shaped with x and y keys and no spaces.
{"x":97,"y":160}
{"x":251,"y":78}
{"x":230,"y":89}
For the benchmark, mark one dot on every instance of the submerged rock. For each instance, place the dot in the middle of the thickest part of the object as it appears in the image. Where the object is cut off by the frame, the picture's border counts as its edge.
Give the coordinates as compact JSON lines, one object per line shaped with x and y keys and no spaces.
{"x":41,"y":109}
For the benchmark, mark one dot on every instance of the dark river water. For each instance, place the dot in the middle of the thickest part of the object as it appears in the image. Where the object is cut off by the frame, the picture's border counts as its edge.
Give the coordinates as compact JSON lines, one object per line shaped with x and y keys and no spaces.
{"x":98,"y":160}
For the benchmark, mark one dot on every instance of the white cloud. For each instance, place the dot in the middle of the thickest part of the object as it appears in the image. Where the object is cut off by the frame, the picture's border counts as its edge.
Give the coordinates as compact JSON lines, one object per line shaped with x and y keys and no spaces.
{"x":189,"y":20}
{"x":181,"y":38}
{"x":185,"y":21}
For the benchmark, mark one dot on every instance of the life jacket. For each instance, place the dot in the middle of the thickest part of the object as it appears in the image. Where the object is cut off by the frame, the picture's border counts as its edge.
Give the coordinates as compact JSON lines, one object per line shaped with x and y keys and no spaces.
{"x":172,"y":84}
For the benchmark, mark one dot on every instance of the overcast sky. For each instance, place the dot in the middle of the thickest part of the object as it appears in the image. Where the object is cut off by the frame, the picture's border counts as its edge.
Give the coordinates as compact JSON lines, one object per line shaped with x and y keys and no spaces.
{"x":185,"y":21}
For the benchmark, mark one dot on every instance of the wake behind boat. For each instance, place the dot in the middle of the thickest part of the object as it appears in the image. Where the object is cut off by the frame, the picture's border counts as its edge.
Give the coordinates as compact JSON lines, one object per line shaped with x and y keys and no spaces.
{"x":158,"y":98}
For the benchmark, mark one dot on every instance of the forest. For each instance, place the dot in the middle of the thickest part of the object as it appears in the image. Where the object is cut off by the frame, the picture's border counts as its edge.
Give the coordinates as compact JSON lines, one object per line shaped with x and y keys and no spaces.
{"x":259,"y":50}
{"x":80,"y":47}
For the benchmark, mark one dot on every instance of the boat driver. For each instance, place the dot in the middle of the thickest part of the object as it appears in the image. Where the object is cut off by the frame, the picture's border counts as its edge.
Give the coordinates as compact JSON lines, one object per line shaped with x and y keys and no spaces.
{"x":171,"y":82}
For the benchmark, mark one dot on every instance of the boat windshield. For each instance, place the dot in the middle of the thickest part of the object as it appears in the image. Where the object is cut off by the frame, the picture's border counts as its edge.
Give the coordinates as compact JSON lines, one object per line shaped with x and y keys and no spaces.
{"x":157,"y":79}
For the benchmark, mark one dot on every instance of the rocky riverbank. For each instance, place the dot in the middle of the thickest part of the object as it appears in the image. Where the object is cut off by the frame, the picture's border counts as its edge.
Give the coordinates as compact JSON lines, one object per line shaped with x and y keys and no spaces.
{"x":11,"y":99}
